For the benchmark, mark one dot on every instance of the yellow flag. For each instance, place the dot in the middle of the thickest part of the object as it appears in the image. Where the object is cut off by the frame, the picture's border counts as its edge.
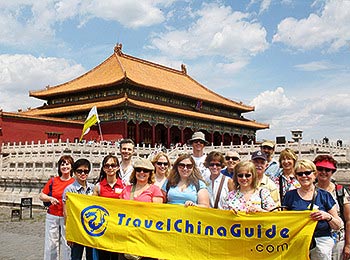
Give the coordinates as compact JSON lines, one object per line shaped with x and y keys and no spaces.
{"x":176,"y":232}
{"x":90,"y":121}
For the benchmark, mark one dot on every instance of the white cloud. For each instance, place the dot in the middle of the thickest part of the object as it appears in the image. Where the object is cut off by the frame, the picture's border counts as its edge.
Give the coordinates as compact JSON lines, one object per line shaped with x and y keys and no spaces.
{"x":330,"y":28}
{"x":315,"y":66}
{"x":218,"y":31}
{"x":21,"y":73}
{"x":317,"y":115}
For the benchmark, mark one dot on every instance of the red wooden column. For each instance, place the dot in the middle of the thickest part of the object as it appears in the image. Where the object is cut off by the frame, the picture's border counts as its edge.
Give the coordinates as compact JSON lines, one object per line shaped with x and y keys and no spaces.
{"x":212,"y":137}
{"x":125,"y":134}
{"x":153,"y":134}
{"x":169,"y":137}
{"x":222,"y":138}
{"x":182,"y":135}
{"x":137,"y":134}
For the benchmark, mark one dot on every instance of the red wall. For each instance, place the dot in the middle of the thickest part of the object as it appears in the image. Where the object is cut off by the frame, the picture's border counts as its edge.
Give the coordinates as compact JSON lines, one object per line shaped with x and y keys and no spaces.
{"x":28,"y":130}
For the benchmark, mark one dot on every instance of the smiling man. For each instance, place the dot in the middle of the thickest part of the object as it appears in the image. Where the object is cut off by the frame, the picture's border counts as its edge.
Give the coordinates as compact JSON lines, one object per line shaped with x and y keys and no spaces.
{"x":198,"y":143}
{"x":127,"y":147}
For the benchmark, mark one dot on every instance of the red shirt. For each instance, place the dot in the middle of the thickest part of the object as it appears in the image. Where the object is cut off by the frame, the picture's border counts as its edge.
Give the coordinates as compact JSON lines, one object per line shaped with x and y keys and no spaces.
{"x":57,"y":190}
{"x":111,"y":192}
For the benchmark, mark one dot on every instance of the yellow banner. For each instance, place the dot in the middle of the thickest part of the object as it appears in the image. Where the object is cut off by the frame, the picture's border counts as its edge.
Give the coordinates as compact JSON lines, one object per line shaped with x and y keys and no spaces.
{"x":175,"y":232}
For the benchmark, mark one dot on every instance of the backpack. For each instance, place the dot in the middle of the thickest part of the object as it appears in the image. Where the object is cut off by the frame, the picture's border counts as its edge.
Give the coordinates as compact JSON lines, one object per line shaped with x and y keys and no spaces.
{"x":47,"y":204}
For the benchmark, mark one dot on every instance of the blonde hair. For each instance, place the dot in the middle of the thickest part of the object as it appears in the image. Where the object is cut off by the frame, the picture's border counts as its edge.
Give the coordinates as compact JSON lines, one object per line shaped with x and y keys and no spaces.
{"x":156,"y":158}
{"x":287,"y":153}
{"x":305,"y":163}
{"x":250,"y":167}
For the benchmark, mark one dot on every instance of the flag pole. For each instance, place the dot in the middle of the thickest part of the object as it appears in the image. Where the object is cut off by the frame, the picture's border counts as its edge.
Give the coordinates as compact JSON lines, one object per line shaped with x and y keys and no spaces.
{"x":99,"y":127}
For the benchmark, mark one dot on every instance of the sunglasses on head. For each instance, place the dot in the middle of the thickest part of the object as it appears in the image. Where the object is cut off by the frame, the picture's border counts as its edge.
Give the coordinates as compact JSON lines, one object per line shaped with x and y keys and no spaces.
{"x":246,"y":175}
{"x":321,"y":169}
{"x":80,"y":171}
{"x":233,"y":158}
{"x":142,"y":170}
{"x":306,"y":173}
{"x":162,"y":163}
{"x":113,"y":165}
{"x":183,"y":165}
{"x":215,"y":164}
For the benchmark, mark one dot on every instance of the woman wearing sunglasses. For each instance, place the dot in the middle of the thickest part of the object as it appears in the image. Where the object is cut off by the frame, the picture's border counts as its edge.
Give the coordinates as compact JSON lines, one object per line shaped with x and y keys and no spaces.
{"x":109,"y":185}
{"x":326,"y":166}
{"x":248,"y":196}
{"x":55,"y":238}
{"x":309,"y":197}
{"x":161,"y":164}
{"x":185,"y":184}
{"x":142,"y":187}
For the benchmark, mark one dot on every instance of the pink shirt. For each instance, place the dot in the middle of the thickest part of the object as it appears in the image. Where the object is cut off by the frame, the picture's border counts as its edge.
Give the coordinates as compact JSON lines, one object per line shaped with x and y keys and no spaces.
{"x":146,"y":196}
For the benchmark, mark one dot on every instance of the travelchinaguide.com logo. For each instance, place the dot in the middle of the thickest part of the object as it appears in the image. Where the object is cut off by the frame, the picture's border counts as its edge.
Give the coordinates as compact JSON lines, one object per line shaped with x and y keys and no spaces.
{"x":94,"y":220}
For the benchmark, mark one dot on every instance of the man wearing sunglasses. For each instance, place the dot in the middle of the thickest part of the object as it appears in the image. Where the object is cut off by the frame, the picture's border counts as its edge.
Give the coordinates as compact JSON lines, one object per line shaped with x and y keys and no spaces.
{"x":198,"y":143}
{"x":231,"y":159}
{"x":81,"y":169}
{"x":273,"y":166}
{"x":260,"y":161}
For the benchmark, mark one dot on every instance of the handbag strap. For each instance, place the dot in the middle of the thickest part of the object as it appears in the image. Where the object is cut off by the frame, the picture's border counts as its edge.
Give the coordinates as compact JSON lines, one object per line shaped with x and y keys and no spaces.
{"x":313,"y":198}
{"x":218,"y":193}
{"x":132,"y":192}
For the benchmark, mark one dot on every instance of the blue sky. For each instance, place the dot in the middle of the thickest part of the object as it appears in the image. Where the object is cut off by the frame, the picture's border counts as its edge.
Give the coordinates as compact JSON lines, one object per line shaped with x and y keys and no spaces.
{"x":288,"y":58}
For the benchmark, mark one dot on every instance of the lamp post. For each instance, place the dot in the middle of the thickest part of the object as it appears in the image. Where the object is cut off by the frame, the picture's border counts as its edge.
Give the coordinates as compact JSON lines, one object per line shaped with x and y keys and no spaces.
{"x":297,"y":135}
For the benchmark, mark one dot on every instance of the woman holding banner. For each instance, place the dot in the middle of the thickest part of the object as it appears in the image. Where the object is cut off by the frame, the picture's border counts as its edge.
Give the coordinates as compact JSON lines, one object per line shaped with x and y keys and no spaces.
{"x":248,"y":196}
{"x":109,"y":185}
{"x":322,"y":206}
{"x":185,"y":184}
{"x":55,"y":234}
{"x":141,"y":189}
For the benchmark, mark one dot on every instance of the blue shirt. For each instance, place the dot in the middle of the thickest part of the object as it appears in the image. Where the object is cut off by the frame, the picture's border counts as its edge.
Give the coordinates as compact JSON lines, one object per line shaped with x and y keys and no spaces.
{"x":75,"y":187}
{"x":323,"y":201}
{"x":272,"y":168}
{"x":176,"y":196}
{"x":227,"y":173}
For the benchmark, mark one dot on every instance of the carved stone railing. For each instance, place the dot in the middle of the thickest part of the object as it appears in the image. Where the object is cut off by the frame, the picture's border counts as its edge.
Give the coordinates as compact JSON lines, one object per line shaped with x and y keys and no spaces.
{"x":26,"y":167}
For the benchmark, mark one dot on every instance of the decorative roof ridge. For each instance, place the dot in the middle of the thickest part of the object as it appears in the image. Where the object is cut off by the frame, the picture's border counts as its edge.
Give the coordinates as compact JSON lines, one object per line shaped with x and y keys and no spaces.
{"x":75,"y":79}
{"x":118,"y":52}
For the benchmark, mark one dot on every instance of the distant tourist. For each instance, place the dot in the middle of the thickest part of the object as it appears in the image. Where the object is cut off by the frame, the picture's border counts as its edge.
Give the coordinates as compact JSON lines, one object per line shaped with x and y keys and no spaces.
{"x":55,"y":233}
{"x":260,"y":161}
{"x":81,"y":169}
{"x":272,"y":168}
{"x":198,"y":143}
{"x":127,"y":147}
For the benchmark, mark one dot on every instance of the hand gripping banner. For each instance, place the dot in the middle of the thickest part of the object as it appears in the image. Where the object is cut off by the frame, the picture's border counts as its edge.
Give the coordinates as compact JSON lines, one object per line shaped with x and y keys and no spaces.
{"x":175,"y":232}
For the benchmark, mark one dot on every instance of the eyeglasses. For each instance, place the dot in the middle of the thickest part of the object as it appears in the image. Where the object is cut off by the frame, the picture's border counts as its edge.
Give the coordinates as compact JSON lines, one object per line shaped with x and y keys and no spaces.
{"x":162,"y":163}
{"x":233,"y":158}
{"x":246,"y":175}
{"x":80,"y":171}
{"x":307,"y":173}
{"x":113,"y":165}
{"x":198,"y":141}
{"x":215,"y":164}
{"x":65,"y":163}
{"x":321,"y":169}
{"x":142,"y":170}
{"x":183,"y":165}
